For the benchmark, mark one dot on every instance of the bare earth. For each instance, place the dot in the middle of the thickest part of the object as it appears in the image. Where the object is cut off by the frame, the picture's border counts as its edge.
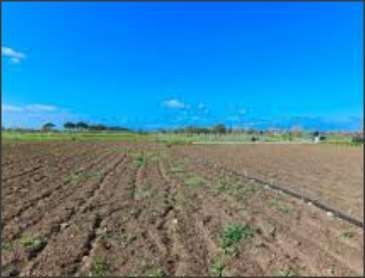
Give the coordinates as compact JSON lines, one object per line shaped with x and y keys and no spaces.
{"x":145,"y":209}
{"x":333,"y":174}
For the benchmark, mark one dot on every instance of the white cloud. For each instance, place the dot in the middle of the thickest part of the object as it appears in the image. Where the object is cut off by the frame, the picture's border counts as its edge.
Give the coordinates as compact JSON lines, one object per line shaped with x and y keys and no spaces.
{"x":174,"y":104}
{"x":11,"y":108}
{"x":202,"y":108}
{"x":40,"y":108}
{"x":14,"y":56}
{"x":32,"y":108}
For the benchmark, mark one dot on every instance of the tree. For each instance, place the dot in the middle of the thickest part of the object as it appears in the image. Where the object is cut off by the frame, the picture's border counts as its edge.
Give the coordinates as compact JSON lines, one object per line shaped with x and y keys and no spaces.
{"x":97,"y":127}
{"x":251,"y":131}
{"x":48,"y":126}
{"x":219,"y":128}
{"x":358,"y":139}
{"x":69,"y":126}
{"x":82,"y":125}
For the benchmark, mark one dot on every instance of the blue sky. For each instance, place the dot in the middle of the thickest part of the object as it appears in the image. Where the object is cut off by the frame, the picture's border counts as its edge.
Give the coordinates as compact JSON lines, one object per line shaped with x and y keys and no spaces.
{"x":150,"y":65}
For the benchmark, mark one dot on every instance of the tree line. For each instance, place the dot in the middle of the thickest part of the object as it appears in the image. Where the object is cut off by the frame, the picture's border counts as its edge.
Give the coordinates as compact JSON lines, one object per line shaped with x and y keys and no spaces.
{"x":83,"y":126}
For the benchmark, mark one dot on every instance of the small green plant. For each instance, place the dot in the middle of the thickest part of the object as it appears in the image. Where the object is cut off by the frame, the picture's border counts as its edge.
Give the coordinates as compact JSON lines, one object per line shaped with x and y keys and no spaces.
{"x":76,"y":178}
{"x":195,"y":181}
{"x":348,"y":235}
{"x":285,"y":273}
{"x":177,"y":169}
{"x":233,"y":234}
{"x":8,"y":246}
{"x":279,"y":206}
{"x":217,"y":267}
{"x":72,"y":179}
{"x":33,"y":244}
{"x":158,"y":272}
{"x":139,"y":160}
{"x":284,"y":209}
{"x":99,"y":267}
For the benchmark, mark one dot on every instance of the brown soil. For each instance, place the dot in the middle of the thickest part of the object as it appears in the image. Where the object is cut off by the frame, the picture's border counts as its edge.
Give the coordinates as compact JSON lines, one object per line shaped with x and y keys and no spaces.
{"x":144,"y":209}
{"x":330,"y":173}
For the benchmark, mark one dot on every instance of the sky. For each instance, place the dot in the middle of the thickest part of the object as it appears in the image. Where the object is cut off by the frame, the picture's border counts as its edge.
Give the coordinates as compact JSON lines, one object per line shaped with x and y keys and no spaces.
{"x":172,"y":64}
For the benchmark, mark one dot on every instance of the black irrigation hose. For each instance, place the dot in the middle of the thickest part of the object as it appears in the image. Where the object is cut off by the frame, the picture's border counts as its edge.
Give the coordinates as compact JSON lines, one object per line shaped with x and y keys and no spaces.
{"x":316,"y":203}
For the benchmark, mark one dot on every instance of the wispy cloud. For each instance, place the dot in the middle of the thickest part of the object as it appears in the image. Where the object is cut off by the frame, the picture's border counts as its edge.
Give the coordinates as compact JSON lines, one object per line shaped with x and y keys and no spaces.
{"x":202,"y":108}
{"x":174,"y":104}
{"x":32,"y":108}
{"x":14,"y":56}
{"x":35,"y":115}
{"x":40,"y":108}
{"x":11,"y":108}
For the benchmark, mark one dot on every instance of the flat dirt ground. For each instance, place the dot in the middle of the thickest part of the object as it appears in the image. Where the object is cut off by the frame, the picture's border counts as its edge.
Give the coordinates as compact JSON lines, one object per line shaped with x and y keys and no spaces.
{"x":128,"y":209}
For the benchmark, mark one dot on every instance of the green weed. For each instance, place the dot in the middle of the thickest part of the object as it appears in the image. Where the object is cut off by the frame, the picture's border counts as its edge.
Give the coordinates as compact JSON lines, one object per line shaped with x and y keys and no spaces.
{"x":158,"y":272}
{"x":279,"y":206}
{"x":195,"y":181}
{"x":233,"y":234}
{"x":33,"y":244}
{"x":75,"y":179}
{"x":217,"y":267}
{"x":139,"y":160}
{"x":348,"y":235}
{"x":177,"y":169}
{"x":285,"y":273}
{"x":99,"y":267}
{"x":7,"y":246}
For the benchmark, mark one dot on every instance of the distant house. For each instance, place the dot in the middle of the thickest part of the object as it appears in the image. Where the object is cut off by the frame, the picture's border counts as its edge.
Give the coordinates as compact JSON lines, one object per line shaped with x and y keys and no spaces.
{"x":316,"y":137}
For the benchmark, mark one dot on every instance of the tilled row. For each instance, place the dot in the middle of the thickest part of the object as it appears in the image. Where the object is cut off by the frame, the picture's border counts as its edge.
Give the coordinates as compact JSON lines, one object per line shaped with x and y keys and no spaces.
{"x":148,"y":210}
{"x":47,"y":216}
{"x":302,"y":232}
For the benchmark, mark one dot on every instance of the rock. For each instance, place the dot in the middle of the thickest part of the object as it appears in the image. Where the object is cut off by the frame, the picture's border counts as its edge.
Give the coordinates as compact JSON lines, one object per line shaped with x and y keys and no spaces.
{"x":107,"y":245}
{"x":64,"y":225}
{"x":330,"y":214}
{"x":259,"y":243}
{"x":269,"y":230}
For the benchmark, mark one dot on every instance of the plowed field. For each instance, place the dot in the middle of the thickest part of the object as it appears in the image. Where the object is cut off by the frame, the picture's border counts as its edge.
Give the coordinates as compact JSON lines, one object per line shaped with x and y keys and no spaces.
{"x":145,"y":209}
